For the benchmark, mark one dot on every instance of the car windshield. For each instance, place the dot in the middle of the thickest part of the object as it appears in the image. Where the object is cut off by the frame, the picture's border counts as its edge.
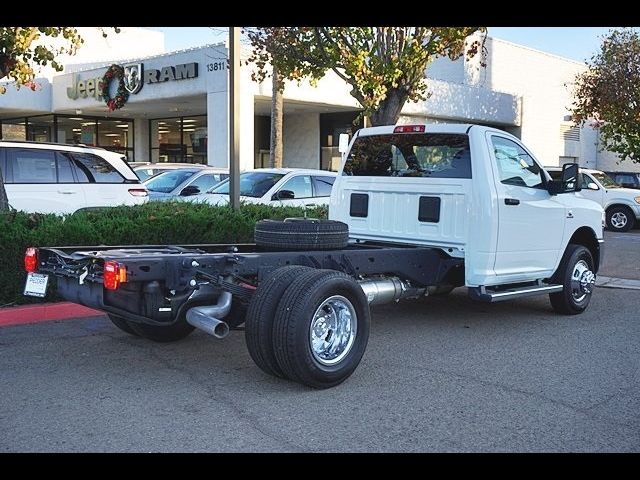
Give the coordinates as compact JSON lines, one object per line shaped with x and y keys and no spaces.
{"x":167,"y":181}
{"x":252,"y":184}
{"x":605,"y":180}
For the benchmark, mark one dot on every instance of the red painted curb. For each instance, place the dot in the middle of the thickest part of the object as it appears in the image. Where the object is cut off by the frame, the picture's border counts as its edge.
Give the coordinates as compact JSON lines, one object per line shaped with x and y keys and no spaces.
{"x":44,"y":313}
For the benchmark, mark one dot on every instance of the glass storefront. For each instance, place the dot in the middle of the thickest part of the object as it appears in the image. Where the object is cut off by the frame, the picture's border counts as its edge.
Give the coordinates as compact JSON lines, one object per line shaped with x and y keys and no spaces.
{"x":179,"y":139}
{"x":112,"y":134}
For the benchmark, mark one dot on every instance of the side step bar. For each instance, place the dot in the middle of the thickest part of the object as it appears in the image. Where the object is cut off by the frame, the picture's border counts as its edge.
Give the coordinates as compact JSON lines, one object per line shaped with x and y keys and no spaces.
{"x":499,"y":294}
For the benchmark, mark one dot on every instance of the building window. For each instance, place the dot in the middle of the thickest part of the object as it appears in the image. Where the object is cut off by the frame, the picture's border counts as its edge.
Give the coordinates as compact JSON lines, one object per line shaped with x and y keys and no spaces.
{"x":112,"y":134}
{"x":181,"y":139}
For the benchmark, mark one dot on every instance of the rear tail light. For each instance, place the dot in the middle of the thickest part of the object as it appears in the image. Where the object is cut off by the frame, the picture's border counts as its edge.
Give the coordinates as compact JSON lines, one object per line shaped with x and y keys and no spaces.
{"x":139,"y":192}
{"x":113,"y":274}
{"x":31,"y":260}
{"x":409,"y":129}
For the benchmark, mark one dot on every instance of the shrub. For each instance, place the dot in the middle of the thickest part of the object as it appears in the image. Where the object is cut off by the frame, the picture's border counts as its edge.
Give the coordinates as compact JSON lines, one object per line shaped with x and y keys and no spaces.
{"x":154,"y":223}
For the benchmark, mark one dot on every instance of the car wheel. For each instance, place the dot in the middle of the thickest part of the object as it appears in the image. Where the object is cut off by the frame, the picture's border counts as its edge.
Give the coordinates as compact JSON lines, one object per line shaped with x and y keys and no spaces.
{"x":620,"y":219}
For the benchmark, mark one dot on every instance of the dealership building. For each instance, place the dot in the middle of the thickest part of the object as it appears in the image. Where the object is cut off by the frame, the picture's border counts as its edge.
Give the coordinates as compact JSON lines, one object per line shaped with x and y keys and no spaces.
{"x":177,"y":108}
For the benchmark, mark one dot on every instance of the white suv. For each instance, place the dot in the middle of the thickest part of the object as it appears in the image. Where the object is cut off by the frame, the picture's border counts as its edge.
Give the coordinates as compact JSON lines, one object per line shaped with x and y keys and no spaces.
{"x":56,"y":178}
{"x":622,"y":205}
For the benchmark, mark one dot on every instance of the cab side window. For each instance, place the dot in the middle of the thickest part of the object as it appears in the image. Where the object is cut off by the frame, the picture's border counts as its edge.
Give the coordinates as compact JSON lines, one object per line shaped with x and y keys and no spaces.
{"x":515,"y":165}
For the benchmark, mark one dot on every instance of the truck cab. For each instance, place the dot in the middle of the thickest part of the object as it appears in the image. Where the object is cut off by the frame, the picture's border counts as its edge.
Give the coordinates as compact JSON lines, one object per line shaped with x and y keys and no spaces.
{"x":475,"y":192}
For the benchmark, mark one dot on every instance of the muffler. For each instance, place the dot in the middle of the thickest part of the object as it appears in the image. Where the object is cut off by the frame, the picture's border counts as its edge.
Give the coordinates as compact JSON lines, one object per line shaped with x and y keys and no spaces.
{"x":207,"y":317}
{"x":385,"y":290}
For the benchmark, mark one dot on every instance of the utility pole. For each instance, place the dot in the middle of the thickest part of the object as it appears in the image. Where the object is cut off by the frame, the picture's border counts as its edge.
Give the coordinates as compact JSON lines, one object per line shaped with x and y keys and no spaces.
{"x":234,"y":117}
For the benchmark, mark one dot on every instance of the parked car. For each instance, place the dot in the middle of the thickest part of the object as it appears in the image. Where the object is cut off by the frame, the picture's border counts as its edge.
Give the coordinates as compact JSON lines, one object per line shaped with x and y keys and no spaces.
{"x":150,"y":169}
{"x":57,"y":178}
{"x":626,"y":179}
{"x":276,"y":186}
{"x":622,"y":205}
{"x":184,"y":182}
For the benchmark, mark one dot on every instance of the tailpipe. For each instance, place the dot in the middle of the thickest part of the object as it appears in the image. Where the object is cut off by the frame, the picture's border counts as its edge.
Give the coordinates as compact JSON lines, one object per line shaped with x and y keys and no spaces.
{"x":386,"y":290}
{"x":207,"y":317}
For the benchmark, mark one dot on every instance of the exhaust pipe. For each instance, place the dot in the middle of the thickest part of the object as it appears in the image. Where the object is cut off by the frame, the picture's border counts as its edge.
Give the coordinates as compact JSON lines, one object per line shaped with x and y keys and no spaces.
{"x":207,"y":317}
{"x":386,"y":290}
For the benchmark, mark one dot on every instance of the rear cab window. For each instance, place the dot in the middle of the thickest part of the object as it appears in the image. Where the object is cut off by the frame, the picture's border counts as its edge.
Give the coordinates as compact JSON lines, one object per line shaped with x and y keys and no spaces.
{"x":435,"y":155}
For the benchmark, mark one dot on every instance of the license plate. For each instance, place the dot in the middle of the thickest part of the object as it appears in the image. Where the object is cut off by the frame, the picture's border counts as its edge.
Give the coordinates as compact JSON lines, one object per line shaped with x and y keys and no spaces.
{"x":36,"y":285}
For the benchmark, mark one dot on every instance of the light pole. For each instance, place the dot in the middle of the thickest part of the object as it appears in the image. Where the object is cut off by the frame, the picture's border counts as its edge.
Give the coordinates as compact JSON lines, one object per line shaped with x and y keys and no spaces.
{"x":234,"y":117}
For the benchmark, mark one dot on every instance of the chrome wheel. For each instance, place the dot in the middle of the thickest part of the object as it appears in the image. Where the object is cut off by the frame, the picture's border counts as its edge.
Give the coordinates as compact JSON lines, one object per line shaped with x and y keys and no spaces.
{"x":333,"y":330}
{"x":619,"y":220}
{"x":582,"y":281}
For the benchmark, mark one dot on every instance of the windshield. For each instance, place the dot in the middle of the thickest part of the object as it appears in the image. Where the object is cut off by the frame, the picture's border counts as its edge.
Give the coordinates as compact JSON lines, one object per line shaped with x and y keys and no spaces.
{"x":167,"y":181}
{"x":440,"y":155}
{"x":252,"y":184}
{"x":605,"y":180}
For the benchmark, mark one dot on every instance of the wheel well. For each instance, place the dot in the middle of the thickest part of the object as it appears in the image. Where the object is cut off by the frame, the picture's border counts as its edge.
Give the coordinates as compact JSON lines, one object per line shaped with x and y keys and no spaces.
{"x":587,"y":238}
{"x":619,"y":205}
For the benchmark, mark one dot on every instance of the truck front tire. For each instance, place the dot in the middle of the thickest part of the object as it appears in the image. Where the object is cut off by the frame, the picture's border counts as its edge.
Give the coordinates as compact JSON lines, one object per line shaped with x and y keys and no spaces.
{"x":575,"y":274}
{"x":321,"y":328}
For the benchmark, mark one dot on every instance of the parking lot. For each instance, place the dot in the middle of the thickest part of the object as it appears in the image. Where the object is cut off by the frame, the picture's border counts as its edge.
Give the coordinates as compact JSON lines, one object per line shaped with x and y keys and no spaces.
{"x":439,"y":374}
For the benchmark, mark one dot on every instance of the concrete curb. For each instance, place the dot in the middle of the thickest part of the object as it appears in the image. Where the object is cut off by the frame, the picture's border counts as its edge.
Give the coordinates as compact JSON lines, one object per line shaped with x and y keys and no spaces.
{"x":44,"y":313}
{"x":611,"y":282}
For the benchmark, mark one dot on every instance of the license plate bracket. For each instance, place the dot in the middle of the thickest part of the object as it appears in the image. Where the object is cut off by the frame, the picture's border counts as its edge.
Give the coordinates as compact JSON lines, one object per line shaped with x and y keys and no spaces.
{"x":36,"y":285}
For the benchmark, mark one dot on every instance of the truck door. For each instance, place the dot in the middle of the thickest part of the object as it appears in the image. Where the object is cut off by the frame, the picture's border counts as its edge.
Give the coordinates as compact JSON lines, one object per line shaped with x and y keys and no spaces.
{"x":530,"y":220}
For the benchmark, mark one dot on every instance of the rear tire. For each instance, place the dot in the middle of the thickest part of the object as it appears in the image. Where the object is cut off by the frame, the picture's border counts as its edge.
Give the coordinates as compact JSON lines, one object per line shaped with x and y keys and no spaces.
{"x":258,"y":330}
{"x":161,"y":333}
{"x":575,"y":274}
{"x":321,"y":328}
{"x":301,"y":234}
{"x":620,"y":219}
{"x":122,"y":324}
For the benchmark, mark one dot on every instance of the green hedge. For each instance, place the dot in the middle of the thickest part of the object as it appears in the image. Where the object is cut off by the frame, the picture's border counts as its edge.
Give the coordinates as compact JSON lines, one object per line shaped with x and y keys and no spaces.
{"x":155,"y":223}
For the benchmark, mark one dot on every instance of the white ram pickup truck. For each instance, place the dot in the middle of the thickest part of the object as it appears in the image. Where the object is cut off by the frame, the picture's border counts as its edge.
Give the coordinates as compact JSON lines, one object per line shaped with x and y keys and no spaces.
{"x":416,"y":210}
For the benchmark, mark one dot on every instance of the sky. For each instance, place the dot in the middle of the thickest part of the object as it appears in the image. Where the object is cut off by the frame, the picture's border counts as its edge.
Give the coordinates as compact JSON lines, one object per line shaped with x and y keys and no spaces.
{"x":576,"y":43}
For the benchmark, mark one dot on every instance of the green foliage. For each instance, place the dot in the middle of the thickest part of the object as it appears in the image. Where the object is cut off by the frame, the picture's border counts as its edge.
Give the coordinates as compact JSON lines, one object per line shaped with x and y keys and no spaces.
{"x":19,"y":54}
{"x":608,"y":93}
{"x":155,"y":223}
{"x":385,"y":66}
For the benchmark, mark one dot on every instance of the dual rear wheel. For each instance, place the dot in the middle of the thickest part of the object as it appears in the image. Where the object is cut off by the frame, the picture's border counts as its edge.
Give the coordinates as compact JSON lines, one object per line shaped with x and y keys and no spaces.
{"x":308,"y":325}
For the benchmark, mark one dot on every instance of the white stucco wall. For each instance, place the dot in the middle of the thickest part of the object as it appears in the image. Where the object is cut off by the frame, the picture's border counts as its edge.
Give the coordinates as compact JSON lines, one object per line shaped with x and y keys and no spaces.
{"x":541,"y":79}
{"x":301,"y":140}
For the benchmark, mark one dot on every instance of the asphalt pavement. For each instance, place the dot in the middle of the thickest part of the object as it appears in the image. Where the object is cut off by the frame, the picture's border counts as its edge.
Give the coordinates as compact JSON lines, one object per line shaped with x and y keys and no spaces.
{"x":439,"y":375}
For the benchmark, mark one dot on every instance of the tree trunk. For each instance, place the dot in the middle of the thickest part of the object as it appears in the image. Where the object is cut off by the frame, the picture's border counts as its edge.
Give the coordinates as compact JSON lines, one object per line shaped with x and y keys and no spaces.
{"x":275,"y":147}
{"x":4,"y":202}
{"x":389,"y":109}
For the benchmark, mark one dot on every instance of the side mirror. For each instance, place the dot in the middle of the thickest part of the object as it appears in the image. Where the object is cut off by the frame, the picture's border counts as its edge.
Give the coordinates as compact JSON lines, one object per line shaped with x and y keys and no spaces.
{"x":190,"y":190}
{"x":592,"y":186}
{"x":283,"y":195}
{"x":343,"y":144}
{"x":569,"y":181}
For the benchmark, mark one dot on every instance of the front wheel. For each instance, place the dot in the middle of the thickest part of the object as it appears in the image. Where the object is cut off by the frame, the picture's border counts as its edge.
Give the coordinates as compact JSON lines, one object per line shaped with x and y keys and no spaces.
{"x":576,"y":275}
{"x":620,"y":219}
{"x":321,"y":328}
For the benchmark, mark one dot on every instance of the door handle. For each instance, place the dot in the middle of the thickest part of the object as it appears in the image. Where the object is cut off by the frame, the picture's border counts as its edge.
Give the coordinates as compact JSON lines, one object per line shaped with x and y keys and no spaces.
{"x":309,"y":205}
{"x":511,"y":201}
{"x":67,"y":192}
